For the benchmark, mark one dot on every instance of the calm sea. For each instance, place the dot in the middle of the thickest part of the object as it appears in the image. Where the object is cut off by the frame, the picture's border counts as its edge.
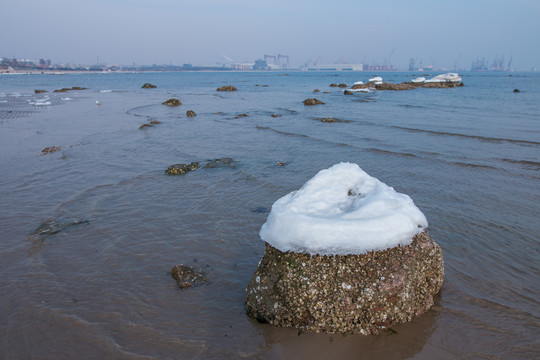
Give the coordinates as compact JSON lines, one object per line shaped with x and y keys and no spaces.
{"x":98,"y":285}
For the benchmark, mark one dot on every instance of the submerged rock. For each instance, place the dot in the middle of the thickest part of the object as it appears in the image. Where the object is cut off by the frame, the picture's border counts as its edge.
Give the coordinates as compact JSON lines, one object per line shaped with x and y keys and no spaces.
{"x":69,"y":89}
{"x":312,"y":101}
{"x":50,"y":149}
{"x":348,"y":293}
{"x":348,"y":92}
{"x":173,"y":102}
{"x":37,"y":91}
{"x":227,"y":88}
{"x":516,"y":90}
{"x":241,"y":115}
{"x":51,"y":226}
{"x":228,"y":162}
{"x":180,"y":169}
{"x":144,"y":126}
{"x":186,"y":276}
{"x":148,"y":86}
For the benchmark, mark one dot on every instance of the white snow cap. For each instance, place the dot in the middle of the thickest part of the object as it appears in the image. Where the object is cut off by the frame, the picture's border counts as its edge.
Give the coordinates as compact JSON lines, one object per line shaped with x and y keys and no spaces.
{"x":342,"y":210}
{"x":419,"y":80}
{"x":376,"y":79}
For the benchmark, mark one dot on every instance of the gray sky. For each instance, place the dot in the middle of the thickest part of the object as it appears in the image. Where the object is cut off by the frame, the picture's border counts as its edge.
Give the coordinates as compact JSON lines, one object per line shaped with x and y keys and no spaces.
{"x":202,"y":31}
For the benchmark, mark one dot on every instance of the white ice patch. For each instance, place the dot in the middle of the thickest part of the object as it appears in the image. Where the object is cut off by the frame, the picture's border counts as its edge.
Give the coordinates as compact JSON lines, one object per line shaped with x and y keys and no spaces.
{"x":342,"y":210}
{"x":419,"y":80}
{"x":448,"y":77}
{"x":376,"y":79}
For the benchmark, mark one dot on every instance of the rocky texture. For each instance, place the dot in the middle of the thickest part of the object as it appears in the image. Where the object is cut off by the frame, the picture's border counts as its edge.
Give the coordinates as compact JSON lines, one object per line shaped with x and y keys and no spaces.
{"x":190,"y":113}
{"x":333,"y":85}
{"x":173,"y":102}
{"x":179,"y":169}
{"x":227,"y":88}
{"x":69,"y":89}
{"x":187,"y":276}
{"x":37,"y":91}
{"x":223,"y":162}
{"x":351,"y":293}
{"x":312,"y":101}
{"x":148,"y":86}
{"x":348,"y":92}
{"x":342,"y":85}
{"x":50,"y":149}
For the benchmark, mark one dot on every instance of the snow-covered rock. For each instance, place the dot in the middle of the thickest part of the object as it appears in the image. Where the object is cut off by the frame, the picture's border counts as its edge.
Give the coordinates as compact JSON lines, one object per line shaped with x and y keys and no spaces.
{"x":345,"y":253}
{"x":448,"y":77}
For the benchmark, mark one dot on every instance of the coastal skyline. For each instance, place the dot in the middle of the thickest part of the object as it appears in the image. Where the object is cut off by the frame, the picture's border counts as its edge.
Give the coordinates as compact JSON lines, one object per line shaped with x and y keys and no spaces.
{"x":209,"y":32}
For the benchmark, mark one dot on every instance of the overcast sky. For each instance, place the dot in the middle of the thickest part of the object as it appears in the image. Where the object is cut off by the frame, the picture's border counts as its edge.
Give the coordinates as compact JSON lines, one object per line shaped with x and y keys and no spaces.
{"x":202,"y":31}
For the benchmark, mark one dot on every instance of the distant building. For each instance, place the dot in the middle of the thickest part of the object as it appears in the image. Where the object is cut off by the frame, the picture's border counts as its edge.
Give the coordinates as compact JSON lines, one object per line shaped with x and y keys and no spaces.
{"x":260,"y":65}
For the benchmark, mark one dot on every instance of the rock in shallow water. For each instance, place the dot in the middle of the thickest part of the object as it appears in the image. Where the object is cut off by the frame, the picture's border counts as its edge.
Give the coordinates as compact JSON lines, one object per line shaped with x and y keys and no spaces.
{"x":348,"y":293}
{"x":187,"y":276}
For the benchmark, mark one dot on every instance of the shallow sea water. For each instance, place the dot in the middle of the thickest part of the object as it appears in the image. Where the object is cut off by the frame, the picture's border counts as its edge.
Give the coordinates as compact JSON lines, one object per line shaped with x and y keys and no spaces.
{"x":468,"y":157}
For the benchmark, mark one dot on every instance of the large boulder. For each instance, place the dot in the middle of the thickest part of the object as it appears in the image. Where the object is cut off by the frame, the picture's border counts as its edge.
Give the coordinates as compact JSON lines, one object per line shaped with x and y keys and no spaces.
{"x":344,"y":253}
{"x":348,"y":293}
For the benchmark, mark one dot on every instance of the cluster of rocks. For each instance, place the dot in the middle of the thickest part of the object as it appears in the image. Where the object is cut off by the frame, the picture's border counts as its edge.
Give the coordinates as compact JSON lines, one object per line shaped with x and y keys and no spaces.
{"x":148,"y":86}
{"x":312,"y":101}
{"x":227,"y":88}
{"x":69,"y":89}
{"x":150,"y":124}
{"x":348,"y":293}
{"x":172,"y":102}
{"x":187,"y":276}
{"x":50,"y":149}
{"x":180,"y":169}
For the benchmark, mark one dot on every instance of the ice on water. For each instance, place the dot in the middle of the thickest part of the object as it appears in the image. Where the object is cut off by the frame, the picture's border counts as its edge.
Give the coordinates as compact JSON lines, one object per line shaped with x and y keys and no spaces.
{"x":342,"y":210}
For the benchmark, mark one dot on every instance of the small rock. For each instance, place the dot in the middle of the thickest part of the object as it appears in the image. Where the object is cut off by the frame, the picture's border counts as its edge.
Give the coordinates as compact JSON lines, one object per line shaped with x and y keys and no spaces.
{"x":40,"y":91}
{"x":144,"y":126}
{"x":316,"y":90}
{"x":348,"y":92}
{"x":148,"y":86}
{"x":155,"y":122}
{"x":328,"y":120}
{"x":50,"y":149}
{"x":312,"y":101}
{"x":333,"y":85}
{"x":173,"y":102}
{"x":190,"y":113}
{"x":227,"y":88}
{"x":186,"y":276}
{"x":281,"y":163}
{"x":275,"y":115}
{"x":516,"y":90}
{"x":342,"y":85}
{"x":241,"y":115}
{"x":179,"y":169}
